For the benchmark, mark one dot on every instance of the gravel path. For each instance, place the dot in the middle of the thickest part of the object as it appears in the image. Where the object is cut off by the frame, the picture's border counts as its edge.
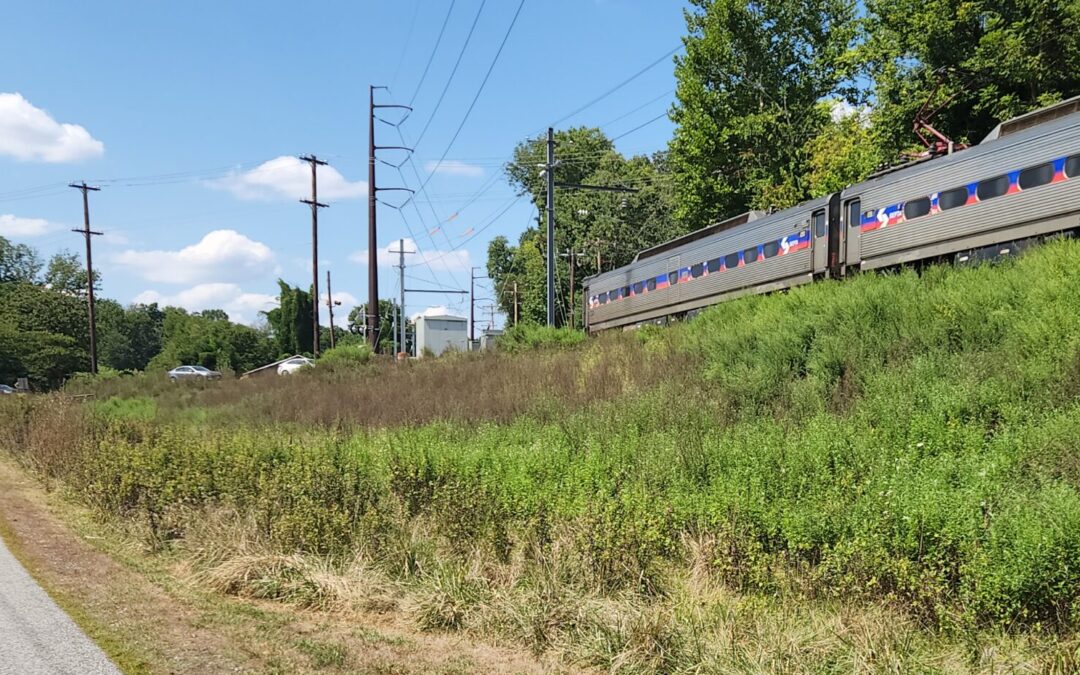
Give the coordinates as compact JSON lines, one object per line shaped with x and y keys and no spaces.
{"x":36,"y":636}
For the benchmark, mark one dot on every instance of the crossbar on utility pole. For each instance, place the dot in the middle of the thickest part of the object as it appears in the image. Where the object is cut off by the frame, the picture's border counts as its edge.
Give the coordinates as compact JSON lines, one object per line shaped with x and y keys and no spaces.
{"x":315,"y":206}
{"x":87,"y":233}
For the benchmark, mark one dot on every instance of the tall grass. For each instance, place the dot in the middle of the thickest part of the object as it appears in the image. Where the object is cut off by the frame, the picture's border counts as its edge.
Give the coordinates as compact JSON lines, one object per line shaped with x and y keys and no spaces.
{"x":899,"y":441}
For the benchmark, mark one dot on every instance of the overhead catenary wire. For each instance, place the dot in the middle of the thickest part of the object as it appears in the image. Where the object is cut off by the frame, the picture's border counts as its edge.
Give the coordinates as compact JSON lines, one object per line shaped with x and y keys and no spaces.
{"x":476,"y":97}
{"x":453,"y":72}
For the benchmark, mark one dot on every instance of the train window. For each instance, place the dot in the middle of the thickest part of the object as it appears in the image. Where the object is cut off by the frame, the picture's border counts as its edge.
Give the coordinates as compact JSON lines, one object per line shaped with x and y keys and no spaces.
{"x":750,"y":255}
{"x":993,"y":187}
{"x":731,"y":260}
{"x":714,"y":265}
{"x":651,"y":284}
{"x":1036,"y":176}
{"x":638,"y":288}
{"x":854,"y":213}
{"x":625,"y":292}
{"x":601,"y":299}
{"x":819,"y":224}
{"x":673,"y":277}
{"x":1072,"y":166}
{"x":771,"y":249}
{"x":950,"y":199}
{"x":697,"y":270}
{"x":917,"y":208}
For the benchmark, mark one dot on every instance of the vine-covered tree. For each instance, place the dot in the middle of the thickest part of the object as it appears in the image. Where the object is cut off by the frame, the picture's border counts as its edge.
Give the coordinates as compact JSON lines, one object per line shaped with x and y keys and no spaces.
{"x":290,"y":321}
{"x":749,"y":90}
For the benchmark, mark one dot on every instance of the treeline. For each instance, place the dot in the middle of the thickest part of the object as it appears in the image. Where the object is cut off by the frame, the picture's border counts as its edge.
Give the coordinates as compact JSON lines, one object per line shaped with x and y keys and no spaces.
{"x":778,"y":102}
{"x":44,"y":326}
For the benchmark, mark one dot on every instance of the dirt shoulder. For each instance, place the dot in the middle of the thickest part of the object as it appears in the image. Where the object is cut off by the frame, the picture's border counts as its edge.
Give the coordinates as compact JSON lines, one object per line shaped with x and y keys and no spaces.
{"x":147,"y":618}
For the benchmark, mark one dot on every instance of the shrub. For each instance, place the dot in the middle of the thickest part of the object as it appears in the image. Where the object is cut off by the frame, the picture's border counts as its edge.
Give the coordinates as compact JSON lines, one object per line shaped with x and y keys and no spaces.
{"x":346,"y":356}
{"x":527,"y":336}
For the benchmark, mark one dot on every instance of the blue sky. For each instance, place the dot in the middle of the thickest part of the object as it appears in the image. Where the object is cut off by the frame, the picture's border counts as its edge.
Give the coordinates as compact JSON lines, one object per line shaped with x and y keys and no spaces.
{"x":190,"y":116}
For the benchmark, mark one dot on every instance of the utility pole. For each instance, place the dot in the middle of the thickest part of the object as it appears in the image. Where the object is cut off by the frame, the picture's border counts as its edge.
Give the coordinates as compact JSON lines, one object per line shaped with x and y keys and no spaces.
{"x":571,"y":256}
{"x":330,"y":308}
{"x":515,"y":304}
{"x":373,"y":239}
{"x":472,"y":304}
{"x":315,"y":206}
{"x":549,"y":168}
{"x":87,"y":233}
{"x":401,"y":279}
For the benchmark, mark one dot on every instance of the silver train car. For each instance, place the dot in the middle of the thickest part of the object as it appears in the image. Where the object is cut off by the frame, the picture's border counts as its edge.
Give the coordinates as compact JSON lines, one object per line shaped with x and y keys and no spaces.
{"x":1021,"y":183}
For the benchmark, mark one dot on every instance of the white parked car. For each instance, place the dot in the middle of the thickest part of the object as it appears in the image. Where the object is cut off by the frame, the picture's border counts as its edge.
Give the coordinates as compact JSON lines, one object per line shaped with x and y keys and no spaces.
{"x":6,"y":389}
{"x":292,"y":365}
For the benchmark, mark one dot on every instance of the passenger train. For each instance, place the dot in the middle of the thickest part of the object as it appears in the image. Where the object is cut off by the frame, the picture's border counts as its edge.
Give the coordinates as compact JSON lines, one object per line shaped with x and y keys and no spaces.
{"x":1019,"y":184}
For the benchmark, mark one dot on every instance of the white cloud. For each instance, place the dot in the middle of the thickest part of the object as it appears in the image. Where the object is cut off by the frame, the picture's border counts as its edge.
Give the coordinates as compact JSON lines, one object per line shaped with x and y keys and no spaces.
{"x":453,"y":167}
{"x":842,"y":110}
{"x":440,"y":261}
{"x":289,"y":177}
{"x":28,"y":133}
{"x":14,"y":226}
{"x":241,"y":306}
{"x":221,"y":255}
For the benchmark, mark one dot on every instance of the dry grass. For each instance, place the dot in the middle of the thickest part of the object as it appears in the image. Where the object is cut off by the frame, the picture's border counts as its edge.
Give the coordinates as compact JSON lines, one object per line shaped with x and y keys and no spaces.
{"x":467,"y":387}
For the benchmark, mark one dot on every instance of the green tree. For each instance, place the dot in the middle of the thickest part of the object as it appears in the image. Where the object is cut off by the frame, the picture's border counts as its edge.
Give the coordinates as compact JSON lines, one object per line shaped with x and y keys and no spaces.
{"x":18,"y":263}
{"x":387,"y":321}
{"x":66,"y":274}
{"x":996,"y":58}
{"x":609,"y":226}
{"x":290,"y":321}
{"x":749,"y":88}
{"x":843,"y":154}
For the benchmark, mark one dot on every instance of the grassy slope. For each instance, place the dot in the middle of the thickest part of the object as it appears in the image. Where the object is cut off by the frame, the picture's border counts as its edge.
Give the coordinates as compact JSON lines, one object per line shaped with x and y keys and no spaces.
{"x":901,"y":444}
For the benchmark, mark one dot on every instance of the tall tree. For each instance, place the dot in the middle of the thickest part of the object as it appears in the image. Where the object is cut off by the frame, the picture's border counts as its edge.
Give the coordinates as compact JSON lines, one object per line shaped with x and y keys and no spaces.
{"x":748,"y":92}
{"x":611,"y":226}
{"x":387,"y":320}
{"x":18,"y":263}
{"x":66,"y":274}
{"x":996,"y":58}
{"x":290,"y":321}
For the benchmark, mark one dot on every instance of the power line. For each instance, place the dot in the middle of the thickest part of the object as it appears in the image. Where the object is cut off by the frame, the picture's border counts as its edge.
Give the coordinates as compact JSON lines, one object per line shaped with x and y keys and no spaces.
{"x":476,"y":97}
{"x":617,"y":87}
{"x":434,"y":49}
{"x":620,"y":118}
{"x":408,"y":39}
{"x":453,"y":71}
{"x":641,"y":126}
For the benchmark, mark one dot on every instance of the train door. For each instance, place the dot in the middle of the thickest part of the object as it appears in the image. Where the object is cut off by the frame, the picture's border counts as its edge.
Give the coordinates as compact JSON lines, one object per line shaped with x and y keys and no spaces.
{"x":853,"y":226}
{"x":836,"y":236}
{"x":819,"y":230}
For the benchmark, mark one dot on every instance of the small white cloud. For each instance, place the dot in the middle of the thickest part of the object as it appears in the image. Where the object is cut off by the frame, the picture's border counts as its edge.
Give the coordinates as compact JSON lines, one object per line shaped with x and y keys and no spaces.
{"x":241,"y":306}
{"x":221,"y":255}
{"x":842,"y":110}
{"x":13,"y":226}
{"x":453,"y":167}
{"x":440,"y":261}
{"x":30,"y":134}
{"x":289,"y":177}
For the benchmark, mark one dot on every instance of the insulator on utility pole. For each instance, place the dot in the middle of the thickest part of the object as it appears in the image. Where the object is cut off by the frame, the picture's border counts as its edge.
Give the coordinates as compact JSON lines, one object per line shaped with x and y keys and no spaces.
{"x":88,"y":233}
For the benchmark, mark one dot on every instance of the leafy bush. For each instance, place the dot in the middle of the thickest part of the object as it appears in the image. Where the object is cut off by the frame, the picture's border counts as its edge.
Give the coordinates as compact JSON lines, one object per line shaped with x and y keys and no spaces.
{"x":346,"y":356}
{"x":528,"y":336}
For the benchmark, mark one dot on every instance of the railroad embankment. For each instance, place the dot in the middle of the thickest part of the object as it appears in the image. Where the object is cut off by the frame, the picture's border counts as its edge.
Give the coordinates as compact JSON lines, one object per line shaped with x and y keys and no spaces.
{"x":875,"y":474}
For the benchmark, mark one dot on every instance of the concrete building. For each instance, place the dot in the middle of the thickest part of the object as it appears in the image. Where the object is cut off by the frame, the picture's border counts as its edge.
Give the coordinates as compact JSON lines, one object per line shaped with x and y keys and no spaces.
{"x":439,"y":332}
{"x":488,"y":338}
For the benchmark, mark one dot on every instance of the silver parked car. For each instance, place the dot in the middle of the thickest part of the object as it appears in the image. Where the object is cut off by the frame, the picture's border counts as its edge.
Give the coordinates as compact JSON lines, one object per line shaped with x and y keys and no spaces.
{"x":193,"y":373}
{"x":294,"y":364}
{"x":6,"y":389}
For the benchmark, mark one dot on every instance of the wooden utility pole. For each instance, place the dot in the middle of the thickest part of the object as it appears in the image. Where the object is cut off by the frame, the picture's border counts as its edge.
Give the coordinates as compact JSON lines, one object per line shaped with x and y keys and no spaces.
{"x":330,"y":308}
{"x":515,"y":304}
{"x":571,"y":256}
{"x":549,"y":201}
{"x":88,"y":233}
{"x":315,"y":206}
{"x":472,"y":305}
